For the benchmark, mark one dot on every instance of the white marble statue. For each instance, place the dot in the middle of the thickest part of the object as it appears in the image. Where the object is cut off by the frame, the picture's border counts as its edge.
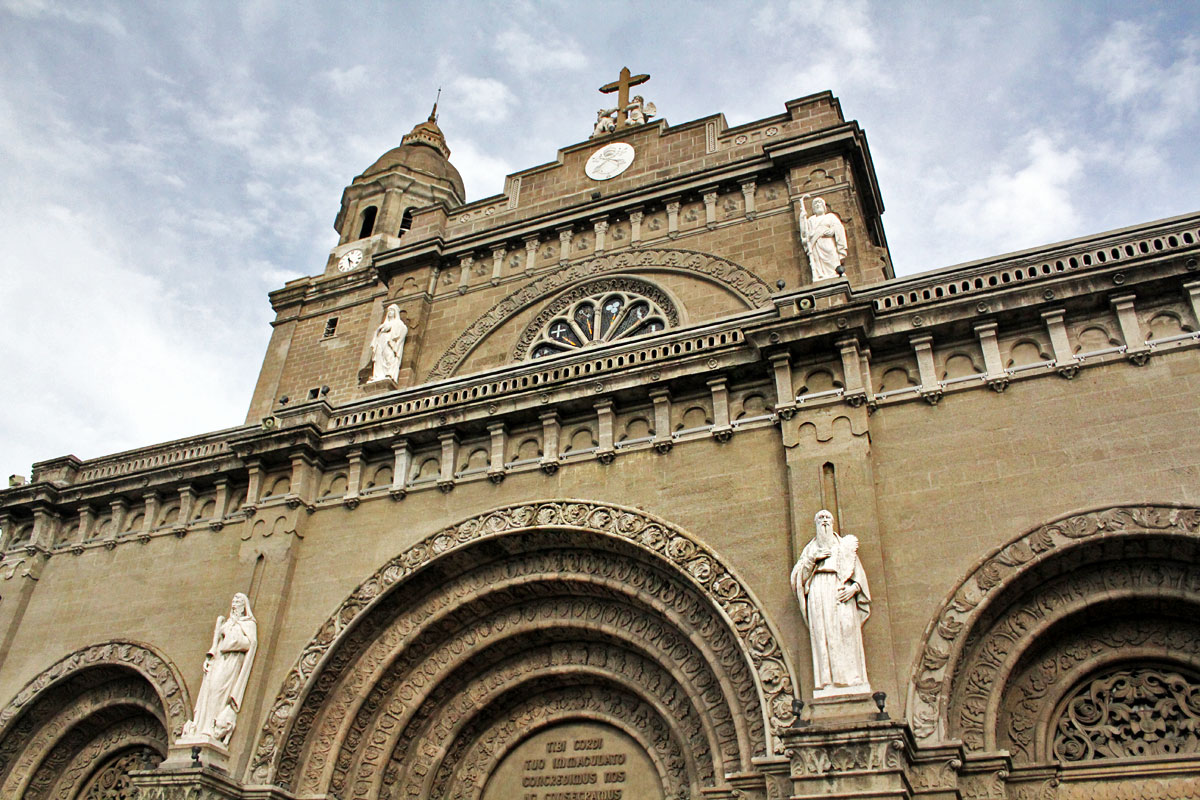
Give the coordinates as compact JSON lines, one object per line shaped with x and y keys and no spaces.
{"x":824,"y":239}
{"x":226,"y":669}
{"x":606,"y":122}
{"x":638,"y":112}
{"x":387,"y":346}
{"x":834,"y":599}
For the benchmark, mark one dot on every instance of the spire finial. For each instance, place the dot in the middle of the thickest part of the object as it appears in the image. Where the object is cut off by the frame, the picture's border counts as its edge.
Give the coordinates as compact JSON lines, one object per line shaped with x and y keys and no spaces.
{"x":433,"y":113}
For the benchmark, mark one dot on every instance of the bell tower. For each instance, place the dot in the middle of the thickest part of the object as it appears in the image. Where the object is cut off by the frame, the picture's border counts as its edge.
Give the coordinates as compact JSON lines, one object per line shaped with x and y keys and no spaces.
{"x":377,"y":207}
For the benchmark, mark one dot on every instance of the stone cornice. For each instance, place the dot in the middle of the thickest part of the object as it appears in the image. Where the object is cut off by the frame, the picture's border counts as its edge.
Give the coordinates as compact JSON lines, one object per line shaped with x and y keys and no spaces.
{"x":807,"y":324}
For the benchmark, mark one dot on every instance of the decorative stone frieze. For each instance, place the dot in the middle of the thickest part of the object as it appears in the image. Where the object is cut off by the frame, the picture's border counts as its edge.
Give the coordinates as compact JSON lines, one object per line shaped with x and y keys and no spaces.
{"x":946,"y":636}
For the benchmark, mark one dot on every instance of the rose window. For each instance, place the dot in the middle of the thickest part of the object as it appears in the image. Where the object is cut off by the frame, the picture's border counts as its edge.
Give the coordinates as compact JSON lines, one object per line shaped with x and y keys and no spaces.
{"x":598,"y":319}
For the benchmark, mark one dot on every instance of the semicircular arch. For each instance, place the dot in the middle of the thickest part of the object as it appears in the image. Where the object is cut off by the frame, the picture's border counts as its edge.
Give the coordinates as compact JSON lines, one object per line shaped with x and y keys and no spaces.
{"x":87,"y":707}
{"x":736,"y":279}
{"x":681,"y":566}
{"x":1007,"y":604}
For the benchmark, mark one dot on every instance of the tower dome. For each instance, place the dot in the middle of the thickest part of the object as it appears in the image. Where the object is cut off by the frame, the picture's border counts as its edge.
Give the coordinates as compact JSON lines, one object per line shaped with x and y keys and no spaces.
{"x":423,"y":150}
{"x":378,"y":205}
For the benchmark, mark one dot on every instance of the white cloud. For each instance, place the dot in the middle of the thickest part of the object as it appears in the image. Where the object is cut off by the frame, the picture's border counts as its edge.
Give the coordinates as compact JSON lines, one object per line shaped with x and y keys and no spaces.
{"x":1159,"y":98}
{"x":835,"y":42}
{"x":551,"y":51}
{"x":79,"y":14}
{"x":482,"y":174}
{"x":1019,"y":205}
{"x":479,"y":99}
{"x":348,"y":79}
{"x":113,"y":357}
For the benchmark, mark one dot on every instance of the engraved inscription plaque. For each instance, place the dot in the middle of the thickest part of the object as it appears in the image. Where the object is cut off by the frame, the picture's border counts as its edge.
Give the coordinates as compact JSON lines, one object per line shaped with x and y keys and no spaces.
{"x":576,"y":761}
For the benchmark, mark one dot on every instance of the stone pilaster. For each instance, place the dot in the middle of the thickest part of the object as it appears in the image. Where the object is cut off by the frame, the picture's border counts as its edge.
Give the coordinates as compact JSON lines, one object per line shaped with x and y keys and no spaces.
{"x":748,"y":189}
{"x":635,"y":227}
{"x":673,"y":218}
{"x":661,"y":398}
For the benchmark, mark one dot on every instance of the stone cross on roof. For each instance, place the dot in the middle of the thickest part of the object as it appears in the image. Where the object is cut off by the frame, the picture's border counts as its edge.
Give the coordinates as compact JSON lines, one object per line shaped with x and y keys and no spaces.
{"x":621,"y":86}
{"x":627,"y":113}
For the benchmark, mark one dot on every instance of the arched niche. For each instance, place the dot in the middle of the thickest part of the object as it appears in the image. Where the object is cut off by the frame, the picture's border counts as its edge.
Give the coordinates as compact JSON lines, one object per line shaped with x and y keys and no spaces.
{"x":88,"y":719}
{"x":1060,"y":606}
{"x":528,"y":616}
{"x":749,"y":289}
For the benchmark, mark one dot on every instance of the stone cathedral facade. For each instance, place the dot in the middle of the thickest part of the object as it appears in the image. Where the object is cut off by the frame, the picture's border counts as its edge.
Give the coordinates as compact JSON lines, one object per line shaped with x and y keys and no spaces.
{"x":514,"y":508}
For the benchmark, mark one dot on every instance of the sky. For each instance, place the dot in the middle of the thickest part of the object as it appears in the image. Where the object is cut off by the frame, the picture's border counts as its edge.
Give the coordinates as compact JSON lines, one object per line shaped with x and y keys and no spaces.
{"x":163,"y":166}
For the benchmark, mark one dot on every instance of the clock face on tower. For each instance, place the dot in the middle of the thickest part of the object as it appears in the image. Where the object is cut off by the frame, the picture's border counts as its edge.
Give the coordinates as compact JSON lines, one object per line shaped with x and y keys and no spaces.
{"x":609,"y":161}
{"x":350,"y":260}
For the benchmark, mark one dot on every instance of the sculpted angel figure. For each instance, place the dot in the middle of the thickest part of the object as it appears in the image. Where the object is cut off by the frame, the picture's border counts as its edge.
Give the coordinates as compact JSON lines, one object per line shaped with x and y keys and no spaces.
{"x":226,"y":670}
{"x":387,"y":346}
{"x":831,"y":587}
{"x":639,"y":111}
{"x":606,"y":122}
{"x":824,"y":239}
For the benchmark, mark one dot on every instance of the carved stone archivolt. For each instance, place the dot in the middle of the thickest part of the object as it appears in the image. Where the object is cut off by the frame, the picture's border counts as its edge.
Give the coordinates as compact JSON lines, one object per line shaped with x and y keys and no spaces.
{"x":1027,"y":595}
{"x":83,"y":711}
{"x":597,"y":288}
{"x":737,"y":279}
{"x":1032,"y":710}
{"x":530,"y":609}
{"x":161,"y":674}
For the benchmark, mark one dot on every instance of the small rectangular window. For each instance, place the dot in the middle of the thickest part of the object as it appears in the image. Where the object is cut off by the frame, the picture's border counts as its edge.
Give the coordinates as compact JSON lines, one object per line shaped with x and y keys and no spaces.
{"x":330,"y":327}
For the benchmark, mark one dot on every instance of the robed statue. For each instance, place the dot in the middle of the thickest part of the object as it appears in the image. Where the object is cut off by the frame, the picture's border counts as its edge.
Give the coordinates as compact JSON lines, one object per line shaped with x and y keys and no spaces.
{"x":226,"y":670}
{"x":831,"y":586}
{"x":387,"y":346}
{"x":824,"y":240}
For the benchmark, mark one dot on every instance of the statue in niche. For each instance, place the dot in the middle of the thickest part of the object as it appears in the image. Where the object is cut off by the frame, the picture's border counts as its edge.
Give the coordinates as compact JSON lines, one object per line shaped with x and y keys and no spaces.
{"x":387,"y":346}
{"x":831,"y":586}
{"x":824,"y":240}
{"x":226,"y":669}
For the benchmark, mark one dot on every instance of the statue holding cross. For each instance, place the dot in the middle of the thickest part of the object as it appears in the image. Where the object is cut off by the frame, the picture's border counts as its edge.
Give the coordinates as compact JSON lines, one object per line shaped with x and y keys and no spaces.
{"x":627,"y":113}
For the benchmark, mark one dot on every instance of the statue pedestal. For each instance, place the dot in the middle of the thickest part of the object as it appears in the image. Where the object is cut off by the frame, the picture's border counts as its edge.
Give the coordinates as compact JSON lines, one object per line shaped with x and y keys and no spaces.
{"x":849,"y":703}
{"x":379,"y":387}
{"x":187,"y":750}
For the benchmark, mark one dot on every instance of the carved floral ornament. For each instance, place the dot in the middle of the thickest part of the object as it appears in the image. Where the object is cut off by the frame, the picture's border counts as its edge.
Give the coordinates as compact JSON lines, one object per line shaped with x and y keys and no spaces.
{"x":159,"y":672}
{"x":946,"y":636}
{"x":1128,"y":712}
{"x":739,"y":280}
{"x":690,"y":560}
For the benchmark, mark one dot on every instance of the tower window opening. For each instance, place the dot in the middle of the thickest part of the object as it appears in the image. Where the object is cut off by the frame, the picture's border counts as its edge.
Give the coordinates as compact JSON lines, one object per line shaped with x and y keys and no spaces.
{"x":368,"y":222}
{"x":405,"y":221}
{"x":330,"y":328}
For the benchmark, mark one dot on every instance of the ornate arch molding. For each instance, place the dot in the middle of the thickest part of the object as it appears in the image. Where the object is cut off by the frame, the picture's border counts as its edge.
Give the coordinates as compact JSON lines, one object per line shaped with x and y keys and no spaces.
{"x":158,"y":671}
{"x":579,"y":291}
{"x":86,"y":708}
{"x":691,"y":561}
{"x":743,"y":283}
{"x":939,"y":662}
